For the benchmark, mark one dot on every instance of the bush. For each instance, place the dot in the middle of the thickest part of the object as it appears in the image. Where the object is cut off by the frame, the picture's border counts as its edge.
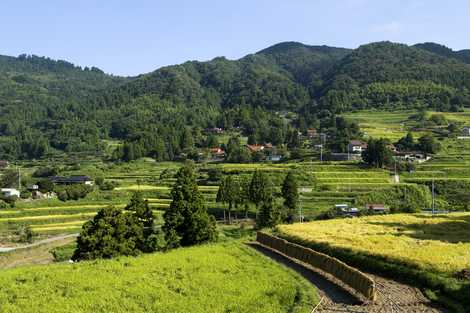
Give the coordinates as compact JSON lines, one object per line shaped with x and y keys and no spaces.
{"x":3,"y":205}
{"x":111,"y":233}
{"x":25,"y":234}
{"x":45,"y":172}
{"x":73,"y":192}
{"x":63,"y":253}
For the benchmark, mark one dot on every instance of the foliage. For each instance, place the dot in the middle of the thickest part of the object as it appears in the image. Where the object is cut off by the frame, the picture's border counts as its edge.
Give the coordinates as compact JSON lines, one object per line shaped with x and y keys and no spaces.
{"x":260,"y":189}
{"x":25,"y":234}
{"x":73,"y":192}
{"x":229,"y":192}
{"x":377,"y":153}
{"x":428,"y":144}
{"x":64,"y":253}
{"x":269,"y":215}
{"x":109,"y":234}
{"x":290,"y":193}
{"x":186,"y":220}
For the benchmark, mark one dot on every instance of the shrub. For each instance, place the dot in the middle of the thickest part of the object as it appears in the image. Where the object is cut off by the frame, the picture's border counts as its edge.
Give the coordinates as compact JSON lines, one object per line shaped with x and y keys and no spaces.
{"x":73,"y":192}
{"x":45,"y":172}
{"x":111,"y":233}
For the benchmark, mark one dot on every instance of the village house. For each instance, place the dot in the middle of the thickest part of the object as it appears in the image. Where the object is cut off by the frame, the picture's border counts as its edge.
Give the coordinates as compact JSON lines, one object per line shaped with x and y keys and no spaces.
{"x":311,"y":133}
{"x":214,"y":130}
{"x":417,"y":157}
{"x":274,"y":158}
{"x":36,"y":194}
{"x":345,"y":210}
{"x":10,"y":192}
{"x":466,"y":131}
{"x":376,"y":208}
{"x":260,"y":148}
{"x":3,"y":164}
{"x":72,"y":180}
{"x":217,"y":153}
{"x":356,"y":146}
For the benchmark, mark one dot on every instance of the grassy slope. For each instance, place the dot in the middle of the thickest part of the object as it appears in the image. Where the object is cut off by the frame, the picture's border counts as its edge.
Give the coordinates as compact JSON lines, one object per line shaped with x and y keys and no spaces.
{"x":438,"y":244}
{"x":227,"y":277}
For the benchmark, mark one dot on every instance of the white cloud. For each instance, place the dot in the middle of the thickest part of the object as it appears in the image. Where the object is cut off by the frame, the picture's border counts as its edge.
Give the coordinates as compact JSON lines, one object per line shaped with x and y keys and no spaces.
{"x":392,"y":28}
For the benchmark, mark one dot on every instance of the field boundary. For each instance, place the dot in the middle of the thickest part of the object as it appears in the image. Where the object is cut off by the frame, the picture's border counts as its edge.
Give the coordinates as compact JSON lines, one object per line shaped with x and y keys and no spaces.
{"x":338,"y":269}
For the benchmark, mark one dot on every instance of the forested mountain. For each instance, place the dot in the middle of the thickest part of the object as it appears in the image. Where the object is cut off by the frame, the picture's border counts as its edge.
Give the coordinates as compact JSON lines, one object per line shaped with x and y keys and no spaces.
{"x":388,"y":75}
{"x":462,"y":55}
{"x":48,"y":105}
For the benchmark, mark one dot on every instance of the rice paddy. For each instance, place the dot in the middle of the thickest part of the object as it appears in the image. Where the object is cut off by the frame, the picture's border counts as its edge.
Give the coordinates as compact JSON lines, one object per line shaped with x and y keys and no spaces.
{"x":440,"y":243}
{"x":228,"y":277}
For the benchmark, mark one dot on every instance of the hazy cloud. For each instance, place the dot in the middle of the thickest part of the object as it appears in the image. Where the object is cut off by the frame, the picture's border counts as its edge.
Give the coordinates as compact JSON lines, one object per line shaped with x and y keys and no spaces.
{"x":391,"y":28}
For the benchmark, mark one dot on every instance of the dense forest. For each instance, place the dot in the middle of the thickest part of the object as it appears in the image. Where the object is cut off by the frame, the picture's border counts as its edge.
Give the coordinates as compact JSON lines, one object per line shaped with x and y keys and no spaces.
{"x":49,"y":106}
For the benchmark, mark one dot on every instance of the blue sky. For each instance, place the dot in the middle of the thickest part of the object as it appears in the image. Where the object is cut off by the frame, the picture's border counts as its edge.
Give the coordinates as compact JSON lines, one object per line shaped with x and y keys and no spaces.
{"x":138,"y":36}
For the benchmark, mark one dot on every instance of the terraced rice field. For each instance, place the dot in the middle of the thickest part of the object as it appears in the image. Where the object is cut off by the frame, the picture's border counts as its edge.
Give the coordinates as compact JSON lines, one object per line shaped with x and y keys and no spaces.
{"x":439,"y":243}
{"x":229,"y":277}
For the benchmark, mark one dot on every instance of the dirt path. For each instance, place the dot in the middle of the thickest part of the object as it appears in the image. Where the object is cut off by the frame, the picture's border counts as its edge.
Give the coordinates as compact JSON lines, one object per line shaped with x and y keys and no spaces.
{"x":38,"y":243}
{"x":36,"y":253}
{"x":392,"y":297}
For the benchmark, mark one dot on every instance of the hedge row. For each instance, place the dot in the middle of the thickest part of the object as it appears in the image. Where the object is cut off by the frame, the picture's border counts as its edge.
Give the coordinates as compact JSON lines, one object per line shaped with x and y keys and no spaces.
{"x":345,"y":273}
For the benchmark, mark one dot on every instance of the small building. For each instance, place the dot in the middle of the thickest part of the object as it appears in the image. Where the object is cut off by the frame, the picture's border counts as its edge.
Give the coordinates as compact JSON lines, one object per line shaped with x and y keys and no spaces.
{"x":416,"y":157}
{"x":214,"y":130}
{"x":274,"y":158}
{"x":72,"y":180}
{"x":311,"y":133}
{"x":10,"y":192}
{"x":3,"y":164}
{"x":466,"y":131}
{"x":217,"y":153}
{"x":377,"y":208}
{"x":356,"y":146}
{"x":255,"y":148}
{"x":345,"y":210}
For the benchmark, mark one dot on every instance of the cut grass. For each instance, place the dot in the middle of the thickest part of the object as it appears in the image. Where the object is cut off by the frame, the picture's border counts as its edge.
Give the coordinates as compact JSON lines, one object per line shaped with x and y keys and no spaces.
{"x":228,"y":277}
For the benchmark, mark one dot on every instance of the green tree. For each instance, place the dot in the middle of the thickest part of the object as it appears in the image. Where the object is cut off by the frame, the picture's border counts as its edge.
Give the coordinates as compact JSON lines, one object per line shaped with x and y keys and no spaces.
{"x":144,"y":214}
{"x":428,"y":144}
{"x":186,"y":221}
{"x":290,"y":193}
{"x":260,"y":189}
{"x":112,"y":232}
{"x":407,"y":142}
{"x":229,"y":192}
{"x":269,"y":215}
{"x":377,"y":153}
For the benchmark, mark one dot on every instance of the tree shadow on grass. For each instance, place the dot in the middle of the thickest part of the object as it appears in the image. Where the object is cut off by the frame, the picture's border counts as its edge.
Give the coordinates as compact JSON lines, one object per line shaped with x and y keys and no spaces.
{"x":453,"y":230}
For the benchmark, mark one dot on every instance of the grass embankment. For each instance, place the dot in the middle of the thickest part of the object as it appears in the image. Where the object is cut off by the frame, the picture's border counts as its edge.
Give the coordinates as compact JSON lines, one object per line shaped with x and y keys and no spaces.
{"x":227,"y":277}
{"x":424,"y":250}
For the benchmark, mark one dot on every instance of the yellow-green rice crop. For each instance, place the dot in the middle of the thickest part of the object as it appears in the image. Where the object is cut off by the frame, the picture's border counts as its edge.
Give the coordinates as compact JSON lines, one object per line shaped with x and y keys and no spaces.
{"x":227,"y":277}
{"x":439,"y":243}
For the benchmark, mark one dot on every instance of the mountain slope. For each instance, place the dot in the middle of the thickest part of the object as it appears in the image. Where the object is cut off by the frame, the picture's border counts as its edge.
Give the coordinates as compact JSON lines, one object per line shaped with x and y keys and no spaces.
{"x":53,"y":104}
{"x":390,"y":75}
{"x":462,"y":55}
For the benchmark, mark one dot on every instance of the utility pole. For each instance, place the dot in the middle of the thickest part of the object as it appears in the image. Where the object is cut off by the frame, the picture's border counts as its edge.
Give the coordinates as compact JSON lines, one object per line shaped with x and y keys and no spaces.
{"x":322,"y":142}
{"x":433,"y":198}
{"x":19,"y":177}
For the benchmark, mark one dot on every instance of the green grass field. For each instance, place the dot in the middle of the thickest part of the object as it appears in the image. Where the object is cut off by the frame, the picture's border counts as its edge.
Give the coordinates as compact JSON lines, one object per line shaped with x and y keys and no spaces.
{"x":226,"y":277}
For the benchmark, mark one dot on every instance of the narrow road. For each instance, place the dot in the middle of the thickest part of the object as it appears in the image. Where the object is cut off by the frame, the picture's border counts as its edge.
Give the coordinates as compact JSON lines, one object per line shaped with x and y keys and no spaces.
{"x":392,"y":297}
{"x":37,"y":243}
